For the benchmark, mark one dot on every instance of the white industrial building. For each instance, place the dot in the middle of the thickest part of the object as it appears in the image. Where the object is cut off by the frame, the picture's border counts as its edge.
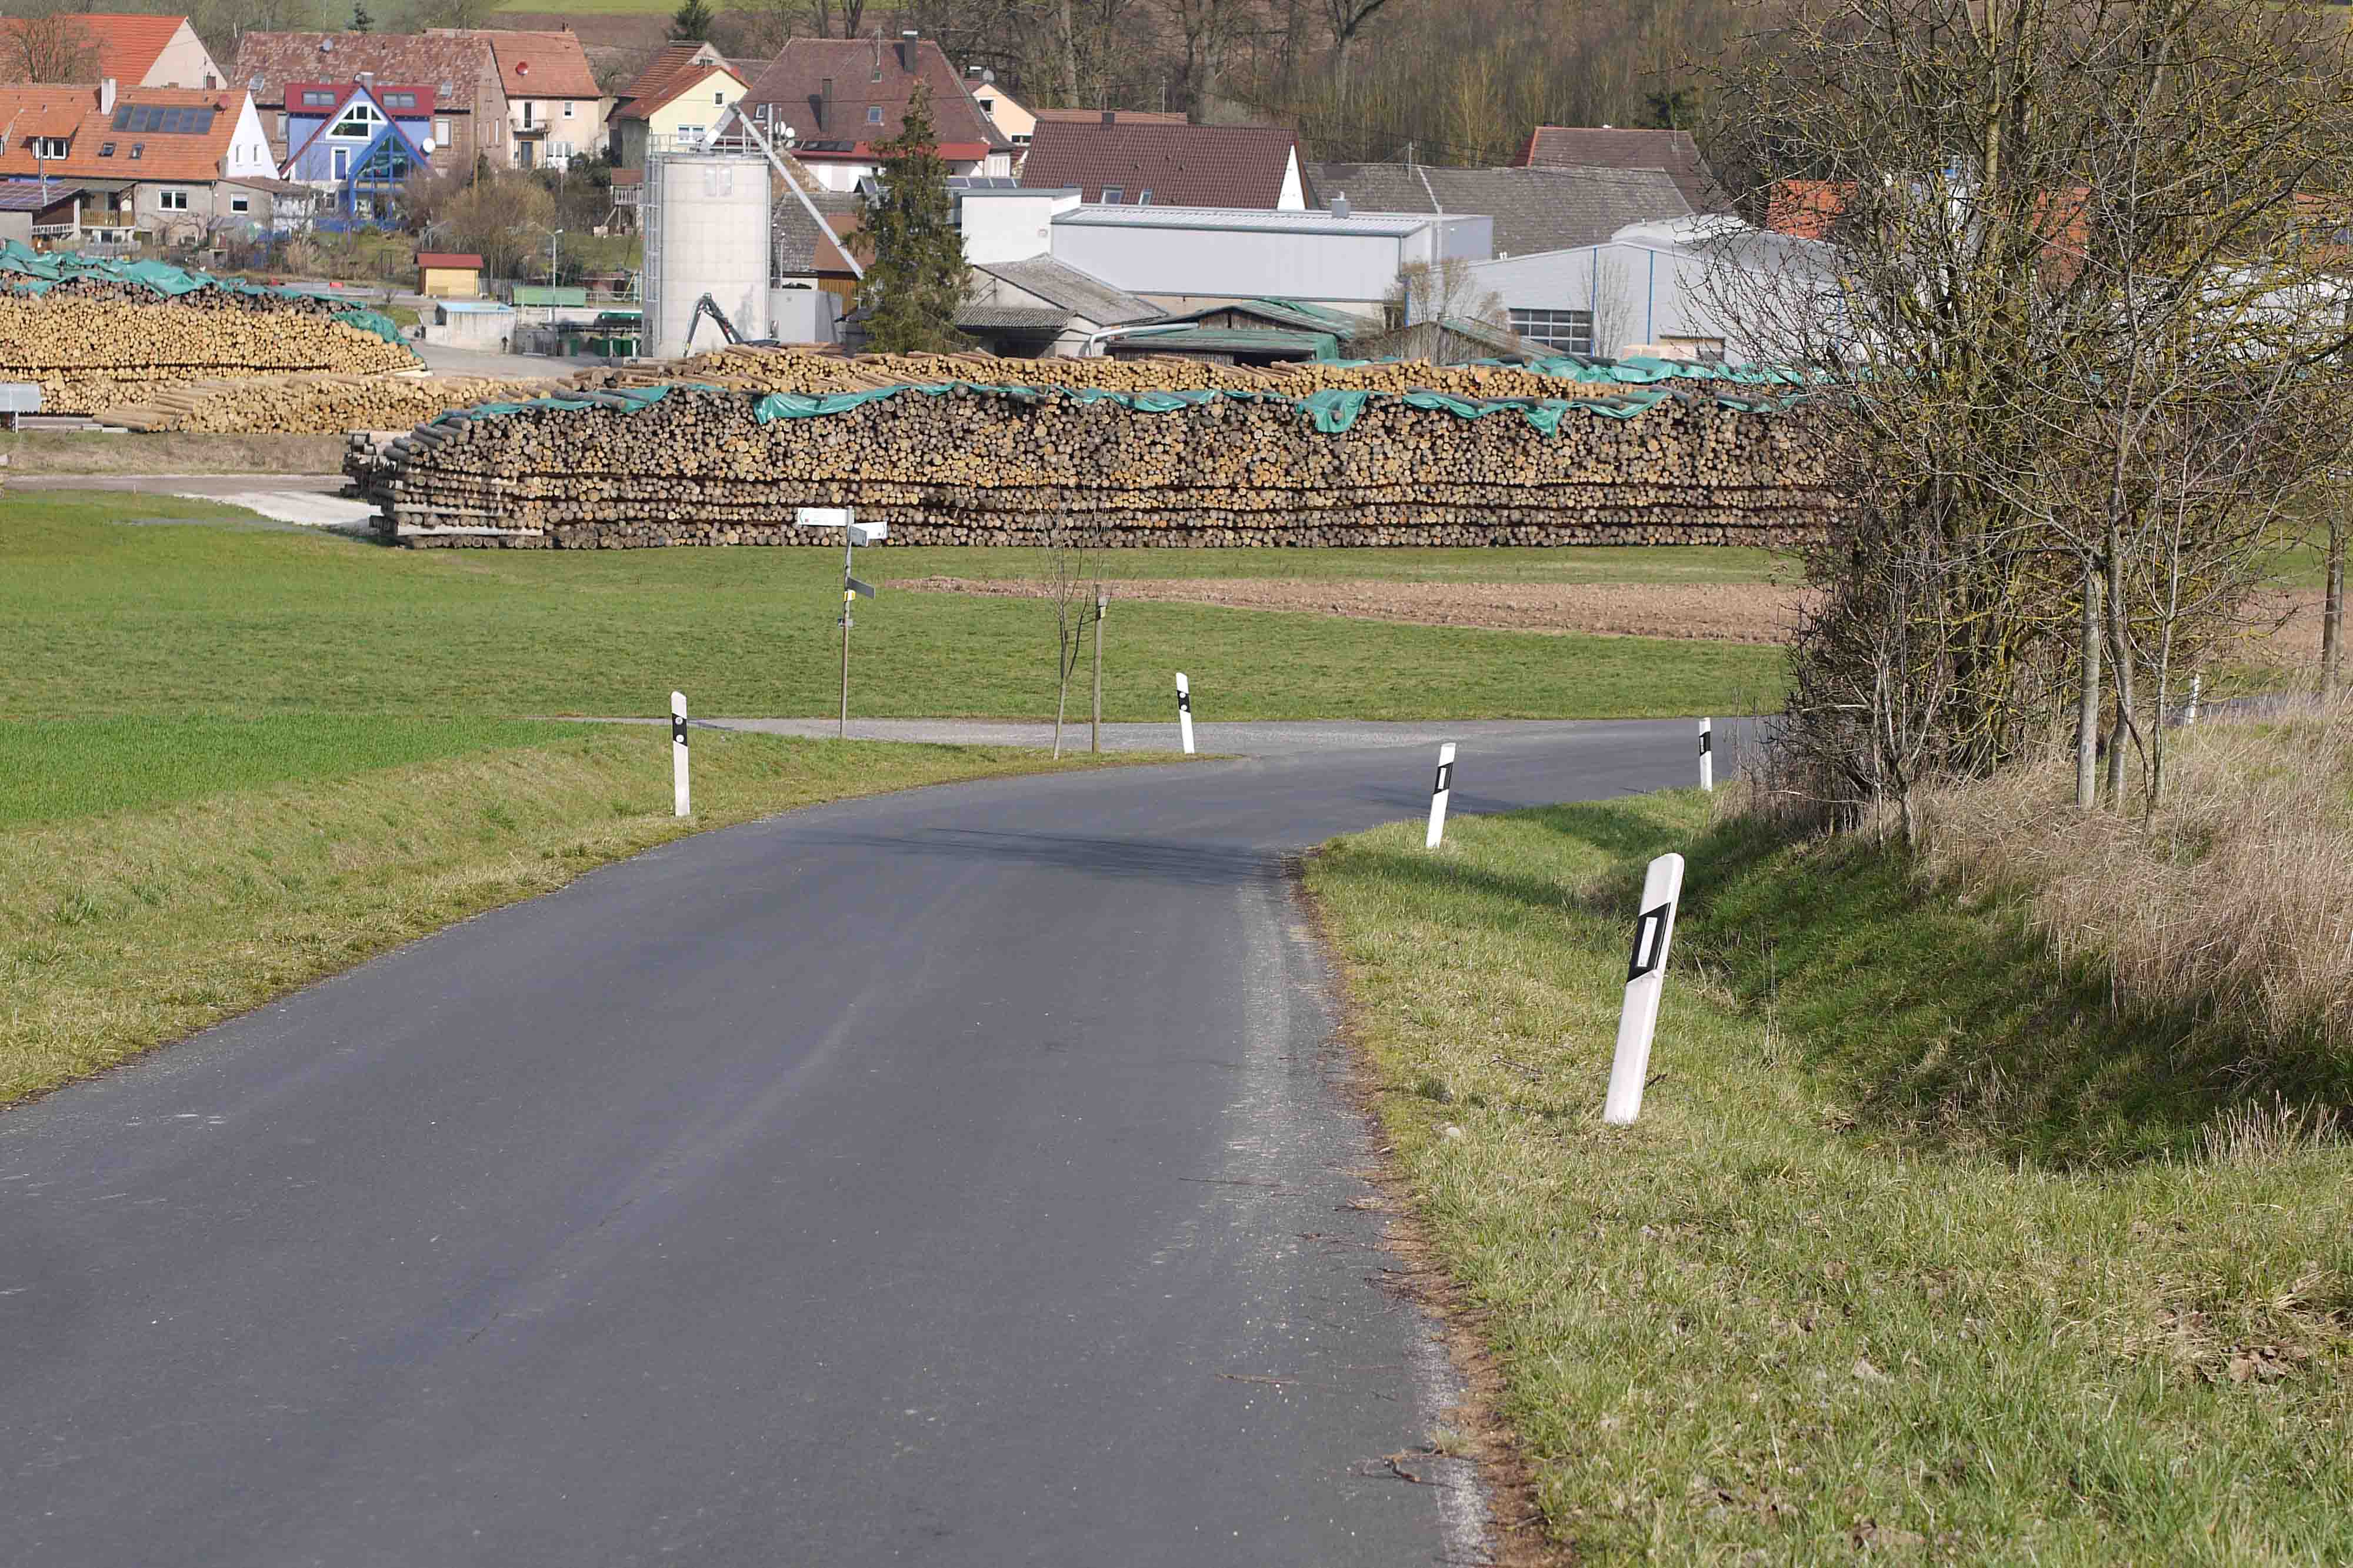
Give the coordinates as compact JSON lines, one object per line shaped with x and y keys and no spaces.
{"x":1184,"y":258}
{"x":1672,"y":286}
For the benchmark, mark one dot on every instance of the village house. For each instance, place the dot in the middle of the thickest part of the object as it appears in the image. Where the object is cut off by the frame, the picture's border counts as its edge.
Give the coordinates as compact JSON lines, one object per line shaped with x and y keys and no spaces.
{"x":840,"y":98}
{"x":358,"y":144}
{"x":676,"y":101}
{"x":556,"y":110}
{"x":471,"y":113}
{"x":178,"y":163}
{"x":134,"y":51}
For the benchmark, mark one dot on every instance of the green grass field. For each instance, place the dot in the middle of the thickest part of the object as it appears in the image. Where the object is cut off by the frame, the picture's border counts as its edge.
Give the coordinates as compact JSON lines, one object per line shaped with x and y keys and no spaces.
{"x":1915,"y":1252}
{"x":110,"y":618}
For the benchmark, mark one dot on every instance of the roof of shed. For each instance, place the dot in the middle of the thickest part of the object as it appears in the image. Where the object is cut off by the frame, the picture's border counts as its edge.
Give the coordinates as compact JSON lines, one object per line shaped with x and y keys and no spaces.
{"x":1079,"y":293}
{"x":1012,"y":318}
{"x":1240,"y":166}
{"x":1534,"y":209}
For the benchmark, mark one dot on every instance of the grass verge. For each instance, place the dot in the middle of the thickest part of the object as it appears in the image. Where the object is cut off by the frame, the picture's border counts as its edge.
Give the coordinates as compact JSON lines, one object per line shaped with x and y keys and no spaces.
{"x":35,"y":453}
{"x":120,"y":619}
{"x":1792,"y":1317}
{"x":120,"y":931}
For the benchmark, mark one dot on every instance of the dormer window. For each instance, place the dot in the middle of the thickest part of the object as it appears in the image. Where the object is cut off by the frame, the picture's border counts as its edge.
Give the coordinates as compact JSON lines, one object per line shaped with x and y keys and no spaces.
{"x":1114,"y":195}
{"x":138,"y":149}
{"x":49,"y":146}
{"x":106,"y":150}
{"x":315,"y":99}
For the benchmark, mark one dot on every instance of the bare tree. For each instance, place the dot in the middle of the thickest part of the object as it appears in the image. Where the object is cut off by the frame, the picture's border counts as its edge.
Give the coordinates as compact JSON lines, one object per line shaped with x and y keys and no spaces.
{"x":57,"y":48}
{"x":1071,"y":586}
{"x":2078,"y":337}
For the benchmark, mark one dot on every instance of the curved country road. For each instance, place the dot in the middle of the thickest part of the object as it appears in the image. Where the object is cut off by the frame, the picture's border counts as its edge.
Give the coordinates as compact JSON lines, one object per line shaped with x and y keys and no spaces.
{"x":949,"y":1177}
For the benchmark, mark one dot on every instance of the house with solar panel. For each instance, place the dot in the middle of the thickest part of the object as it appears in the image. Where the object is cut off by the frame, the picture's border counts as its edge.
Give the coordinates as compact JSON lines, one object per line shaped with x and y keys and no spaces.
{"x":177,"y":164}
{"x":359,"y":143}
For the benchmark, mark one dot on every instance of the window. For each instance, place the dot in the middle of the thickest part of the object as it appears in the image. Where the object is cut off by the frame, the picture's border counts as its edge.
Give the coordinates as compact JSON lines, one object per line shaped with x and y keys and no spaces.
{"x":719,"y":100}
{"x":172,"y":201}
{"x":138,"y":149}
{"x":315,"y":99}
{"x":343,"y":162}
{"x":240,"y":203}
{"x":357,"y":123}
{"x":106,"y":150}
{"x":441,"y":133}
{"x":874,"y":114}
{"x":1563,"y":332}
{"x":690,"y":132}
{"x":49,"y":146}
{"x":567,"y":109}
{"x":1113,"y":196}
{"x":400,"y":100}
{"x":1144,"y":197}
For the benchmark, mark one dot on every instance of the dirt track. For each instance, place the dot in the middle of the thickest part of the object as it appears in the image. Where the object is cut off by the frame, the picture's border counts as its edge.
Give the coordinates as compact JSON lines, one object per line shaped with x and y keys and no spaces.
{"x":1714,"y":612}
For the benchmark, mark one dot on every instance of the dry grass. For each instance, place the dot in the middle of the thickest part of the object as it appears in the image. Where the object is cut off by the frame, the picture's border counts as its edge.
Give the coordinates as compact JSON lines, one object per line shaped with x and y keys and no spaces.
{"x":2232,"y":900}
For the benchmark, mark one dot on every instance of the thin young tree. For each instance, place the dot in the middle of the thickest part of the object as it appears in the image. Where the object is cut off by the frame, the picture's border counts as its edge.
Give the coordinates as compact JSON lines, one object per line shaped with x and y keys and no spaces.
{"x":1071,"y":586}
{"x":918,"y":278}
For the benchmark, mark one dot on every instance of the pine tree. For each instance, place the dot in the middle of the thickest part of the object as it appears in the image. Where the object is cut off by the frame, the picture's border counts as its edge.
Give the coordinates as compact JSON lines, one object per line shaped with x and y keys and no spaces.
{"x":691,"y":21}
{"x":363,"y":19}
{"x":918,"y":277}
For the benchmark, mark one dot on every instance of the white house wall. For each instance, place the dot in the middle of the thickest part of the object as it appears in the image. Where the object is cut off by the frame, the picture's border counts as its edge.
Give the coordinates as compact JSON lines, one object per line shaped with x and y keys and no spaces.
{"x":1340,"y":268}
{"x":248,"y":149}
{"x":1011,"y":228}
{"x":1638,"y":294}
{"x":1294,"y":196}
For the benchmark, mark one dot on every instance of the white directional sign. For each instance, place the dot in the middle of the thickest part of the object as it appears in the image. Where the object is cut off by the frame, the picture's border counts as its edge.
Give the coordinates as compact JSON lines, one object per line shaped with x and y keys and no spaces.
{"x":1646,"y":974}
{"x":822,"y":517}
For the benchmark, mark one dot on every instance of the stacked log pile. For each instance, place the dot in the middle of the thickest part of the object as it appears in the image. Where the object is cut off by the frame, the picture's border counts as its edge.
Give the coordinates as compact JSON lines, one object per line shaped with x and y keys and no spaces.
{"x":316,"y":404}
{"x":91,"y":345}
{"x":815,"y":372}
{"x":979,"y":467}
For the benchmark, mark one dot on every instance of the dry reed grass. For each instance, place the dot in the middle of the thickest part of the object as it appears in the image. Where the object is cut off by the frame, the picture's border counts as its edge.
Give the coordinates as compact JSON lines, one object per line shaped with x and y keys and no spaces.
{"x":2232,"y":899}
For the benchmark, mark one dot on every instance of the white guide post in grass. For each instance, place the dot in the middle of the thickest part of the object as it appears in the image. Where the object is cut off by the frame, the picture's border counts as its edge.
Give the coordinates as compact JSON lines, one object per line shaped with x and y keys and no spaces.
{"x":679,"y":806}
{"x":1707,"y":754}
{"x":2190,"y":714}
{"x":1185,"y":712}
{"x":1646,"y":976}
{"x":1438,"y":791}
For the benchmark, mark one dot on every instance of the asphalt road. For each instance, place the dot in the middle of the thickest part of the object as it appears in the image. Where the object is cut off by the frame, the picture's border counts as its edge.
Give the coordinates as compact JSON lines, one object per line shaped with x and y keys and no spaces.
{"x":950,"y":1177}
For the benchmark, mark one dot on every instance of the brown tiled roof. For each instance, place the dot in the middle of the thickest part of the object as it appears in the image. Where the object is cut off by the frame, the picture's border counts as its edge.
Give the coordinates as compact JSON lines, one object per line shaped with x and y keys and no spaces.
{"x":1534,"y":209}
{"x":677,"y":68}
{"x":461,"y":260}
{"x":1181,"y":165}
{"x":74,"y":113}
{"x":434,"y":58}
{"x":796,"y":83}
{"x":1126,"y":116}
{"x":1607,"y":147}
{"x":541,"y":65}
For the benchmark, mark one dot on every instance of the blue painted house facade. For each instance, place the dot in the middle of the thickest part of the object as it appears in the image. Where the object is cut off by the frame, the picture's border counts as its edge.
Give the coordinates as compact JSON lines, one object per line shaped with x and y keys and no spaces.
{"x":360,"y":143}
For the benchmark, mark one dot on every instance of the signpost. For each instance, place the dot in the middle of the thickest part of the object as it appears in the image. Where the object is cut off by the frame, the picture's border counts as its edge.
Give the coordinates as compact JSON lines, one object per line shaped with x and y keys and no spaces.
{"x":1646,"y":976}
{"x":853,"y":534}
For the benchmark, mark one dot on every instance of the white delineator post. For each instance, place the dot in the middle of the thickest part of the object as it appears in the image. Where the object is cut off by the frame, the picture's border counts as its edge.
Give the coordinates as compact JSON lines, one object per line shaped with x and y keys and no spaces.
{"x":2190,"y":714}
{"x":677,"y":755}
{"x":1185,"y":712}
{"x":1646,"y":976}
{"x":1439,"y":790}
{"x":1707,"y":754}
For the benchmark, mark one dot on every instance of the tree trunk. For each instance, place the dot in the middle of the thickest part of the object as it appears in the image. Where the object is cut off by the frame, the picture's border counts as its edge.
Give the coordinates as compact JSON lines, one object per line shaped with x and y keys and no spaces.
{"x":2120,"y":664}
{"x":1070,"y":59}
{"x":2332,"y":609}
{"x":2087,"y":707}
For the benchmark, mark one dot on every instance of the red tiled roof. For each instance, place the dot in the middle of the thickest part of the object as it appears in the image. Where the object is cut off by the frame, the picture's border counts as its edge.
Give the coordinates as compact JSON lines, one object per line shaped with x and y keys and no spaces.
{"x":127,"y":45}
{"x":450,"y":258}
{"x":796,"y":83}
{"x":1181,"y":165}
{"x":541,"y":65}
{"x":670,"y":72}
{"x":1607,"y":147}
{"x":343,"y":90}
{"x":73,"y":112}
{"x":464,"y":62}
{"x":1806,"y":208}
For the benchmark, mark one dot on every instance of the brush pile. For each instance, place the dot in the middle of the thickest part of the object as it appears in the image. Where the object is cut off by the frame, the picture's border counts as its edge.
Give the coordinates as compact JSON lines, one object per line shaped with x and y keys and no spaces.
{"x":1674,"y":463}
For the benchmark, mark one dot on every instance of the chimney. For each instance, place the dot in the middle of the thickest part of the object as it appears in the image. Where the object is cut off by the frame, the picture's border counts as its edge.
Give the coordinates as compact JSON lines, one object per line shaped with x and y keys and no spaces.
{"x":106,"y":96}
{"x":825,"y":104}
{"x":1340,"y":205}
{"x":1111,"y":117}
{"x":907,"y":51}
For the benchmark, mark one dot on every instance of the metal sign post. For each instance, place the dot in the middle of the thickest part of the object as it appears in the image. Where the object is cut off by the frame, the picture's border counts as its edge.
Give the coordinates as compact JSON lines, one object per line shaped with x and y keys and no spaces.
{"x":1646,"y":976}
{"x":853,"y":534}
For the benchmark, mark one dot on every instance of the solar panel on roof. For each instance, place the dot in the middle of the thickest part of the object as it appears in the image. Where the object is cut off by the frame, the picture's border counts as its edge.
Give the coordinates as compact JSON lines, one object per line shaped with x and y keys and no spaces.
{"x":149,"y":119}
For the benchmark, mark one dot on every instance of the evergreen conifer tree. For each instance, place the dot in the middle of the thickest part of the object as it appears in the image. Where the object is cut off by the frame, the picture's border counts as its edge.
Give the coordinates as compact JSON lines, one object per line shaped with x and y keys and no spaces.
{"x":918,"y":277}
{"x":691,"y":21}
